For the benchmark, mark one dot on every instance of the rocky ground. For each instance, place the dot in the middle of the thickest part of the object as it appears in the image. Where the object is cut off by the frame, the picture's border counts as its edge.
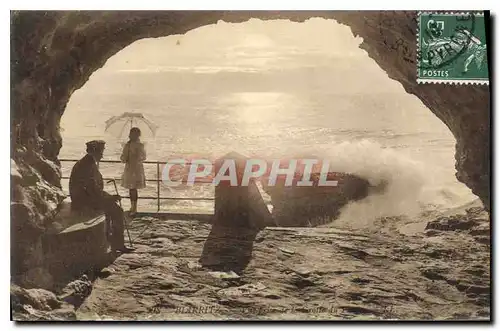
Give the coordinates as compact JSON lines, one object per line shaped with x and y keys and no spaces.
{"x":295,"y":273}
{"x":302,"y":273}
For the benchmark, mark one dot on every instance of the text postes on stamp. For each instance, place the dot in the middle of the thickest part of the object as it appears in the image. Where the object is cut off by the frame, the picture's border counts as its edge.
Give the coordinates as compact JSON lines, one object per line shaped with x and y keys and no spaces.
{"x":452,"y":48}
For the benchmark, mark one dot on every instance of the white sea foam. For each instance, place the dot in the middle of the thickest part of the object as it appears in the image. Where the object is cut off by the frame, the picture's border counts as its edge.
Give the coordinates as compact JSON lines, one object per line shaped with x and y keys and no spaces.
{"x":412,"y":186}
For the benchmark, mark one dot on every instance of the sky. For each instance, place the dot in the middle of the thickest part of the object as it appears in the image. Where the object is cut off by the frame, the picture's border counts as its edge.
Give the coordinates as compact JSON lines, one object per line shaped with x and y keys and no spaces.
{"x":254,"y":46}
{"x":253,"y":56}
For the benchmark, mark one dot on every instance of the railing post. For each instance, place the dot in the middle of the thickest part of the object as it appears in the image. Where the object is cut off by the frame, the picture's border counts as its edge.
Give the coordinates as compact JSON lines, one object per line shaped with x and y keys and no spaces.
{"x":158,"y":181}
{"x":158,"y":184}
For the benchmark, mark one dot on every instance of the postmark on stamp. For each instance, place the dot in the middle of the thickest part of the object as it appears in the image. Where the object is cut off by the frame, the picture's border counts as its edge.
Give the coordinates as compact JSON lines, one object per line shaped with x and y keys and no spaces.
{"x":452,"y":48}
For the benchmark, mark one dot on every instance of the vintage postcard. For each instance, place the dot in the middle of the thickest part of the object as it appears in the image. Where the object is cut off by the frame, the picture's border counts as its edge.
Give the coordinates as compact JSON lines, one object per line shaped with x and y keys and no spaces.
{"x":250,"y":165}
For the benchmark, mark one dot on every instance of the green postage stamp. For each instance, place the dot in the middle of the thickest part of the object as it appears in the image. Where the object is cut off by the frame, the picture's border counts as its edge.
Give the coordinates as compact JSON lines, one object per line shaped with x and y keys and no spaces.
{"x":452,"y":48}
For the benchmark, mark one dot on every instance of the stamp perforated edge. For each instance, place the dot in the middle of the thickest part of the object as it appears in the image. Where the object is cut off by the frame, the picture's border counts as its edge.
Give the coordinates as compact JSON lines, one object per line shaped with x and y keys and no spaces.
{"x":453,"y":81}
{"x":443,"y":81}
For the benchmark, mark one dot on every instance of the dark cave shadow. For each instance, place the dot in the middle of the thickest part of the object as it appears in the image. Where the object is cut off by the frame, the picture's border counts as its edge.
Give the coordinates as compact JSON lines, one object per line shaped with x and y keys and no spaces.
{"x":228,"y":248}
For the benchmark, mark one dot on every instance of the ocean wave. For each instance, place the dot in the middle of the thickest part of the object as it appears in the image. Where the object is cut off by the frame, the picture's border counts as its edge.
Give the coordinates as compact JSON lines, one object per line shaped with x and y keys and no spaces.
{"x":413,"y":186}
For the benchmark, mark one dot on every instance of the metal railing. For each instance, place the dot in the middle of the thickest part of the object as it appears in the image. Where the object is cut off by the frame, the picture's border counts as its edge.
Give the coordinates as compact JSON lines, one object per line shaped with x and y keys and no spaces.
{"x":158,"y":180}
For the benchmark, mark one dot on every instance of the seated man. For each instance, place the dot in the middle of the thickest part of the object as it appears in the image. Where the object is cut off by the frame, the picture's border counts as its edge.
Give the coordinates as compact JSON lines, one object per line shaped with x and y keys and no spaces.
{"x":87,"y":194}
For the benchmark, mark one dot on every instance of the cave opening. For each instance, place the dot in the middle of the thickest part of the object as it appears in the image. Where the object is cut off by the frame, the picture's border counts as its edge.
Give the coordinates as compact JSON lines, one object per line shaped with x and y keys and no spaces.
{"x":272,"y":89}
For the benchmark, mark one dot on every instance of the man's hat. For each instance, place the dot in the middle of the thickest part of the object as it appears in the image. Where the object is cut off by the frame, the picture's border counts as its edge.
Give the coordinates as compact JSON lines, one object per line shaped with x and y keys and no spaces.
{"x":95,"y":145}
